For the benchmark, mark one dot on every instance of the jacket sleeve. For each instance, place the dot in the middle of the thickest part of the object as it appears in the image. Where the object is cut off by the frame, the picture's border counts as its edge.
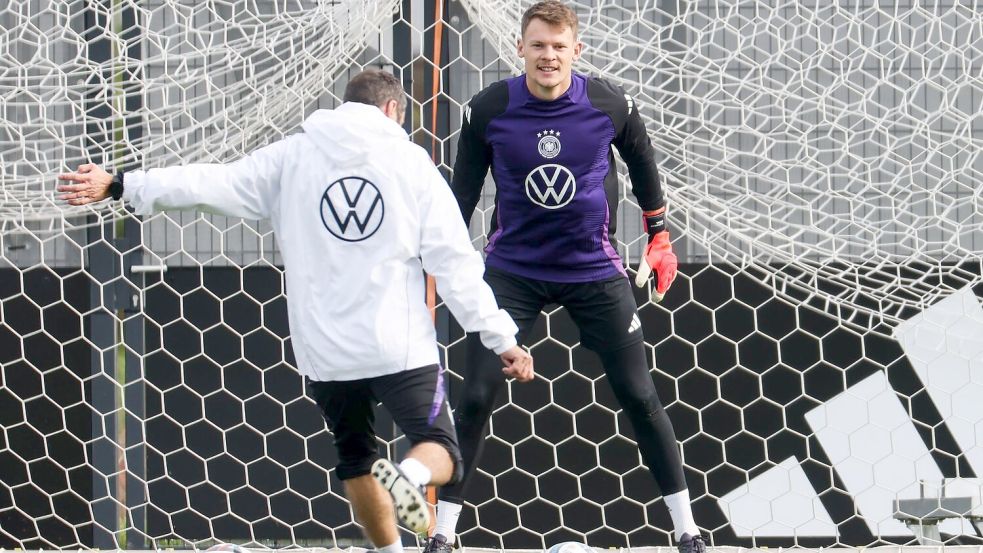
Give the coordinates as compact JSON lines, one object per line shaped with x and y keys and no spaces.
{"x":470,"y":165}
{"x":245,"y":188}
{"x":447,"y":254}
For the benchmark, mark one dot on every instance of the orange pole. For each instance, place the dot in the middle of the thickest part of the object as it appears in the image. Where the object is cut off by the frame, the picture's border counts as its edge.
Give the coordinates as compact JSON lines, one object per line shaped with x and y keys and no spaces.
{"x":438,"y":34}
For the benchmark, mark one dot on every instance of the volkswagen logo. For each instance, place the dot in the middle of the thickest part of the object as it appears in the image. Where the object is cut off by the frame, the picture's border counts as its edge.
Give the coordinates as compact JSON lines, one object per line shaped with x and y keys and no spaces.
{"x":551,"y":186}
{"x":352,"y":209}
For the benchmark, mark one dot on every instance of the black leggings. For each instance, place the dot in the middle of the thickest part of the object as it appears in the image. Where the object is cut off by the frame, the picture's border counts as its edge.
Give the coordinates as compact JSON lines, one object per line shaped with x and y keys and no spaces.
{"x":627,"y":371}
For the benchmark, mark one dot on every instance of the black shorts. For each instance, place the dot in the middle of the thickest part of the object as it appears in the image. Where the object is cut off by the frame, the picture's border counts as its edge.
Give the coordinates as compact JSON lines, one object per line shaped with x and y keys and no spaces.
{"x":416,"y":399}
{"x":603,"y":310}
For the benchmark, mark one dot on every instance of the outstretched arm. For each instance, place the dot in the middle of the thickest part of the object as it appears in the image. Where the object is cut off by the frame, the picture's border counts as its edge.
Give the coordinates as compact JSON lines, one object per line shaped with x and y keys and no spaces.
{"x":448,"y":256}
{"x":245,"y":188}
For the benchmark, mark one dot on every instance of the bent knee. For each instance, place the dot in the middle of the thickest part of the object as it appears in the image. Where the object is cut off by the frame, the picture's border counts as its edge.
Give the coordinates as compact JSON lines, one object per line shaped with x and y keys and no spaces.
{"x":644,"y":407}
{"x":475,"y":406}
{"x":354,"y":465}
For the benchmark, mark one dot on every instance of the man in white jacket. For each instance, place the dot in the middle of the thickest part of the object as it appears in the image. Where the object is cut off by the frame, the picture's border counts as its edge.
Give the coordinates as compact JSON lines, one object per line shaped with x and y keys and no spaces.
{"x":359,"y":212}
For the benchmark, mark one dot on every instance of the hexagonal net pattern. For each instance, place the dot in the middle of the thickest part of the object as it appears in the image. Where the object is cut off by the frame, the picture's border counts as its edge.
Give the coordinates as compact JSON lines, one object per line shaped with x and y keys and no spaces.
{"x":819,"y":354}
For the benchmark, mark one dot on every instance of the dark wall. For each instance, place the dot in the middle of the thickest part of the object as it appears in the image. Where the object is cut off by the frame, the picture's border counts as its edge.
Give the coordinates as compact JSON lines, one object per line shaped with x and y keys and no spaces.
{"x":232,"y":441}
{"x":227,"y":418}
{"x":743,"y":366}
{"x":44,"y":482}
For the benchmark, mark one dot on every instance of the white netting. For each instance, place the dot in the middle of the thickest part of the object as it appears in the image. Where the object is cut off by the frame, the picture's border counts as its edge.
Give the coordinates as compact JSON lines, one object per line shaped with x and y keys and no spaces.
{"x":821,"y":161}
{"x":212,"y":80}
{"x":839,"y":141}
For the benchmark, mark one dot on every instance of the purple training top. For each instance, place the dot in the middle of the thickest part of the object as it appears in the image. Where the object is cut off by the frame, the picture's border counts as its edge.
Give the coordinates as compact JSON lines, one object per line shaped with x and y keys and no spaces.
{"x":555,"y":175}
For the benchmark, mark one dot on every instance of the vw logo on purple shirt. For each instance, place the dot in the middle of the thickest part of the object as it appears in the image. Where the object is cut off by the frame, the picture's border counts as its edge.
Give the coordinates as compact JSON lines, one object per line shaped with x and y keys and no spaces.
{"x":551,"y":186}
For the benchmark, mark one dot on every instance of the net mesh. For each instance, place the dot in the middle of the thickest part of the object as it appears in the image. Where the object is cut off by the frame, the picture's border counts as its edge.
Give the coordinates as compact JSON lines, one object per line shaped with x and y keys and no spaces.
{"x":819,"y":354}
{"x":175,"y":82}
{"x":834,"y":140}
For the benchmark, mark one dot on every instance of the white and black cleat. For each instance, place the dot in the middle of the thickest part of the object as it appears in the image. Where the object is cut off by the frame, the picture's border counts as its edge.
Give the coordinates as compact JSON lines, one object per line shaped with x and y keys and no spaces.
{"x":411,"y":506}
{"x":438,"y":544}
{"x":692,"y":544}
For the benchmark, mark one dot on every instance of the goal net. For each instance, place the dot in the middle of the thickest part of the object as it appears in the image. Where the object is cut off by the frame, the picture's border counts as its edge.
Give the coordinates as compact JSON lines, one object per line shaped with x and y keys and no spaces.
{"x":820,"y":354}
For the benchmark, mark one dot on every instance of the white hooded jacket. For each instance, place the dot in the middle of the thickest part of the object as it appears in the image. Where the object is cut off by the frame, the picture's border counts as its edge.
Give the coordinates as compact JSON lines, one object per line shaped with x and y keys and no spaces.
{"x":359,"y":212}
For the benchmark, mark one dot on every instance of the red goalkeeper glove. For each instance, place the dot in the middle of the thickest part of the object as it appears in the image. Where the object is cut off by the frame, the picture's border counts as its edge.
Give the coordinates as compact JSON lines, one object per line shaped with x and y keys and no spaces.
{"x":658,"y":255}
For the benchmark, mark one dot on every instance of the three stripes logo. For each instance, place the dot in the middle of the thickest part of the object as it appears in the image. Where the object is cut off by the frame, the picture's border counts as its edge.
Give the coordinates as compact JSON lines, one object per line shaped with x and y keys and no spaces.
{"x":635,"y":325}
{"x":551,"y":186}
{"x":352,"y":209}
{"x":868,"y":436}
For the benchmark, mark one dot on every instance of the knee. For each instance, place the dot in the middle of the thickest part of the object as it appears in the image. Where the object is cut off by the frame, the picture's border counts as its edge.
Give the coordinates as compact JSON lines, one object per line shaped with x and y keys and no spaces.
{"x":643,"y":407}
{"x":351,"y":466}
{"x":458,"y":471}
{"x":355,"y":456}
{"x":475,"y":406}
{"x":446,"y":457}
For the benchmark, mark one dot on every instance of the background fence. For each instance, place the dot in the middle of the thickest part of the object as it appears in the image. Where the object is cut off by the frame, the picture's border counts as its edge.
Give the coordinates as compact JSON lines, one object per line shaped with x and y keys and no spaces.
{"x":820,"y":354}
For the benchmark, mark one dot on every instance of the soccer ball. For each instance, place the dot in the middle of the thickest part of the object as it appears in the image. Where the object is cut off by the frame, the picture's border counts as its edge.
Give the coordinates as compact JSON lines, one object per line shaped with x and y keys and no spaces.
{"x":226,"y":548}
{"x":570,"y":547}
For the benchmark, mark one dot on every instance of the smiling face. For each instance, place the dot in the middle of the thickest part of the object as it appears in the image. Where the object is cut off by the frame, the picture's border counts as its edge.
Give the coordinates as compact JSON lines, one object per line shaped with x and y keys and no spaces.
{"x":549,"y":52}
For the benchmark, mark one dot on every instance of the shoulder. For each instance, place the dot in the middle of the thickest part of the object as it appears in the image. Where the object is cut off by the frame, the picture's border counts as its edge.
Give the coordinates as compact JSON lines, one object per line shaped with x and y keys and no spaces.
{"x":599,"y":86}
{"x":410,"y":153}
{"x":617,"y":104}
{"x":609,"y":98}
{"x":289,"y":147}
{"x":410,"y":166}
{"x":299,"y":140}
{"x":487,"y":104}
{"x":425,"y":173}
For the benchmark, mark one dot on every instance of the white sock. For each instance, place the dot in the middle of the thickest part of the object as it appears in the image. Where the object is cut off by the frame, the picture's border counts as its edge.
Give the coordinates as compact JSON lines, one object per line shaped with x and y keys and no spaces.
{"x":416,"y":472}
{"x":391,"y":548}
{"x":447,"y":515}
{"x":681,"y":513}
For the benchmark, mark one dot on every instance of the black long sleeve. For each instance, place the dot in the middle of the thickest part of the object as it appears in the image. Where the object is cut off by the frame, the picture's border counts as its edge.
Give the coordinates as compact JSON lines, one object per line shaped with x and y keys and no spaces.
{"x":636,"y":149}
{"x":470,"y":167}
{"x":632,"y":141}
{"x":474,"y":155}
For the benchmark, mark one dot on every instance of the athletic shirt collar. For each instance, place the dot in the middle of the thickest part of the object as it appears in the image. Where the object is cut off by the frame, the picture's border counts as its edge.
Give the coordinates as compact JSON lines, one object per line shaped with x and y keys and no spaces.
{"x":522,"y":97}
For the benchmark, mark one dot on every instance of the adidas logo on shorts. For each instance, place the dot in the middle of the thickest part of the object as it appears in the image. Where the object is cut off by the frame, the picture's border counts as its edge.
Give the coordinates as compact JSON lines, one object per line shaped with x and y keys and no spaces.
{"x":635,"y":324}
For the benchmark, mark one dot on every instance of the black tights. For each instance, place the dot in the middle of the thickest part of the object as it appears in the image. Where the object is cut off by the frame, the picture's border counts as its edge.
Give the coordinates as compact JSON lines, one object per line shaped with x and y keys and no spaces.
{"x":627,"y":371}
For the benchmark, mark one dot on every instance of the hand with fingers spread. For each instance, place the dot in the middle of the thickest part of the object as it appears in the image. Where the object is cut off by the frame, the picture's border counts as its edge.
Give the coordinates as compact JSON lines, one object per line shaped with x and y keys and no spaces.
{"x":518,"y":364}
{"x":90,"y":183}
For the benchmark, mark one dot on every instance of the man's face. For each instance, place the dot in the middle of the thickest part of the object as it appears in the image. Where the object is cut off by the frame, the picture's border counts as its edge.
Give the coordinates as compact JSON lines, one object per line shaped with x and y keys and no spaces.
{"x":549,"y":52}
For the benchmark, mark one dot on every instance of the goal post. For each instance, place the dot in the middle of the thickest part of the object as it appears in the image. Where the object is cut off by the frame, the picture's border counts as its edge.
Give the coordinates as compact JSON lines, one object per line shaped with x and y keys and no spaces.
{"x":819,"y":354}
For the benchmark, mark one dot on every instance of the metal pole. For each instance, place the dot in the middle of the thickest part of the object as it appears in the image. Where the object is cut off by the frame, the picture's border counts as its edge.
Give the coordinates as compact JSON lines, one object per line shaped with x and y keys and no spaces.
{"x":116,"y":452}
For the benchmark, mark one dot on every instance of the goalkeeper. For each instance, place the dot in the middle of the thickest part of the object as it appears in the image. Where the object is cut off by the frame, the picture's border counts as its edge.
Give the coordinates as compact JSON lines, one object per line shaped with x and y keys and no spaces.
{"x":359,"y":211}
{"x":547,"y":136}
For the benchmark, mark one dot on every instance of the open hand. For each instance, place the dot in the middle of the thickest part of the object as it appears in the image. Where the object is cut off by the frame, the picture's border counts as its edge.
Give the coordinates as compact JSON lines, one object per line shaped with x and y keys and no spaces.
{"x":90,"y":184}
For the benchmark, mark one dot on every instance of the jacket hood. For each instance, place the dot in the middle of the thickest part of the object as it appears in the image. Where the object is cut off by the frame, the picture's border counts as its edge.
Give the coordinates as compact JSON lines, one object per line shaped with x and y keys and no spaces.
{"x":352,"y":131}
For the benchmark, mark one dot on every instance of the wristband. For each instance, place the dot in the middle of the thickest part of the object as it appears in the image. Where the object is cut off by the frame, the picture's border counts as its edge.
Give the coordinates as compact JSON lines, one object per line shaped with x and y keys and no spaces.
{"x":655,"y":222}
{"x":116,"y":186}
